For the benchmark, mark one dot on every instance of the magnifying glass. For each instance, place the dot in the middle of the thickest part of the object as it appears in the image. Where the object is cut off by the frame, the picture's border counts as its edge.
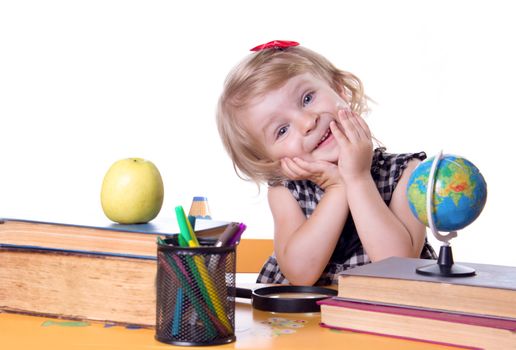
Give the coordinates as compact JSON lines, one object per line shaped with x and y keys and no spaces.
{"x":295,"y":299}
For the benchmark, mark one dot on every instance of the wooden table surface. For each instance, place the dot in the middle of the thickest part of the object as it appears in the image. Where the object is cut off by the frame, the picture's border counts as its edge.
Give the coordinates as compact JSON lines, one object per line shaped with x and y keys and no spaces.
{"x":254,"y":330}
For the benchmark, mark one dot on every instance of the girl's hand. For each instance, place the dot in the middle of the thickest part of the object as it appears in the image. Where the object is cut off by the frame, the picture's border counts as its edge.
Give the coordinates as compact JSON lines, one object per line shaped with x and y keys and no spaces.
{"x":324,"y":174}
{"x":356,"y":145}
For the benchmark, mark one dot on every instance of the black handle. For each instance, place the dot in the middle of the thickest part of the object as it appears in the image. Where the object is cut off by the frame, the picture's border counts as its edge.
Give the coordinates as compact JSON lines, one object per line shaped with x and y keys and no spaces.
{"x":243,"y":293}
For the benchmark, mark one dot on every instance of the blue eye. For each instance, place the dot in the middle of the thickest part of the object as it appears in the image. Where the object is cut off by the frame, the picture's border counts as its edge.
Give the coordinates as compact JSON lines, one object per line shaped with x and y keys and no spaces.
{"x":307,"y":99}
{"x":281,"y":131}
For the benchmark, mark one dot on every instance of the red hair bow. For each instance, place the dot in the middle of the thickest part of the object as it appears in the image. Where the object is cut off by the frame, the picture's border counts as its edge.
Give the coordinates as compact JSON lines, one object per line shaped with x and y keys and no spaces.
{"x":275,"y":44}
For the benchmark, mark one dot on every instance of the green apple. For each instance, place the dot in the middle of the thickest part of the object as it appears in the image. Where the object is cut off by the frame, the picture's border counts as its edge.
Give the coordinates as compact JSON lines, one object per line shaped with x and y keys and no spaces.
{"x":132,"y":191}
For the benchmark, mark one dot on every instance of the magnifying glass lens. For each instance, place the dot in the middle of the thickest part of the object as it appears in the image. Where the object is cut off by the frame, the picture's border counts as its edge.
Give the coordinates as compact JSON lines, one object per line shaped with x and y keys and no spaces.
{"x":298,"y":295}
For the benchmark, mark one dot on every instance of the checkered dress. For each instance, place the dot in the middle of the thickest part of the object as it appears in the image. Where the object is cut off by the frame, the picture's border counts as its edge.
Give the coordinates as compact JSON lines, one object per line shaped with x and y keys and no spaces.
{"x":386,"y":170}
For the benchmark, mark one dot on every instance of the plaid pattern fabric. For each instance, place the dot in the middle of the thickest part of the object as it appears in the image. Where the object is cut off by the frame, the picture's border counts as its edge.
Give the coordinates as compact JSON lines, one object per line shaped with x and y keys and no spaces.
{"x":386,"y":170}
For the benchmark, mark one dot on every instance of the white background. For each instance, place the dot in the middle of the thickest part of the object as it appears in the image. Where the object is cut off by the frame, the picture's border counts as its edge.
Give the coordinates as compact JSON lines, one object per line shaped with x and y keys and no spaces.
{"x":85,"y":83}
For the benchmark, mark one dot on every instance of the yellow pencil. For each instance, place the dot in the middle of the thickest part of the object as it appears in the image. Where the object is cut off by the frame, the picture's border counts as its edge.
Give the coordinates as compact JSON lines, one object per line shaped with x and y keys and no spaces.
{"x":217,"y":304}
{"x":208,"y":283}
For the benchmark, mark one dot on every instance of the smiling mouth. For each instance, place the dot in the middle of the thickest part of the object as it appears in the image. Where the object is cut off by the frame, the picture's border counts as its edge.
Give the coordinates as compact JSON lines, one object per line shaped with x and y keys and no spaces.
{"x":324,"y":137}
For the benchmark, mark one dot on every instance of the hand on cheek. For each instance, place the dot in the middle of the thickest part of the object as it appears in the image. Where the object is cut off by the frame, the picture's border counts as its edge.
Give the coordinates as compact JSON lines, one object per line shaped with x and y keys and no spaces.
{"x":324,"y":174}
{"x":355,"y":143}
{"x":292,"y":170}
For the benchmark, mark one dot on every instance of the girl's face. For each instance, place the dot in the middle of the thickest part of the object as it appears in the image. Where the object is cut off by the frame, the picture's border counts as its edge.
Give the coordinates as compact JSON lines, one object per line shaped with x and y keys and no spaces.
{"x":294,"y":120}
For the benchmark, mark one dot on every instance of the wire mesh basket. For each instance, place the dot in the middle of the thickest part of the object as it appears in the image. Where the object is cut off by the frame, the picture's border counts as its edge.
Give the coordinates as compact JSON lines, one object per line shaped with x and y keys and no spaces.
{"x":195,"y":303}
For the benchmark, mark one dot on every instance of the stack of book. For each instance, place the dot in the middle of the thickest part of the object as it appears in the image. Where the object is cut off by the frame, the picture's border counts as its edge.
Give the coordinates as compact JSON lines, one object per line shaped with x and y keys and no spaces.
{"x":389,"y":298}
{"x":90,"y":272}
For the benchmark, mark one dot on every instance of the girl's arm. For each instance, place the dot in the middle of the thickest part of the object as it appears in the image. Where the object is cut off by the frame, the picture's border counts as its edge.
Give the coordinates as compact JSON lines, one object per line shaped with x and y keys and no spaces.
{"x":383,"y":230}
{"x":303,"y":246}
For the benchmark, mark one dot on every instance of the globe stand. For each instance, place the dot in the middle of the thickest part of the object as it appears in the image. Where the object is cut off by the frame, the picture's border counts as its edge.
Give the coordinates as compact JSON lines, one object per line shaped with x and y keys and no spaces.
{"x":445,"y":266}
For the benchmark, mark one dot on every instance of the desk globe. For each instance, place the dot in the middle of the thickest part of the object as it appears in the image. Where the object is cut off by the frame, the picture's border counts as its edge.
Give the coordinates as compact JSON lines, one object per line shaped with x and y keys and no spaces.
{"x":446,"y":193}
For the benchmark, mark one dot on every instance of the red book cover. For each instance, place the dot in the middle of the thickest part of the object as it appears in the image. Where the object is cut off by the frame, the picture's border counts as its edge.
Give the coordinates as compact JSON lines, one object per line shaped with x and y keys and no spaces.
{"x":472,"y":331}
{"x":464,"y":318}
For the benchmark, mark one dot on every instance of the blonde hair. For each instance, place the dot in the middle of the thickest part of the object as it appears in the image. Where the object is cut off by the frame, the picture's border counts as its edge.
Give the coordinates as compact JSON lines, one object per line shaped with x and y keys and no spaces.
{"x":258,"y":74}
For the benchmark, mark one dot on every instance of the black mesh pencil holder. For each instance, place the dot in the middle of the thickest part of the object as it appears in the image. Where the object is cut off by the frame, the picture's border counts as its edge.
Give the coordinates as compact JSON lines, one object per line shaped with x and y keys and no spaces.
{"x":195,"y":303}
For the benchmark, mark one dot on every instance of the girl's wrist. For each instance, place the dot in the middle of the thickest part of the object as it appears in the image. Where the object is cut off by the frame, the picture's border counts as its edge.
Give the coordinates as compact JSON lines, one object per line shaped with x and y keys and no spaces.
{"x":338,"y":187}
{"x":358,"y":179}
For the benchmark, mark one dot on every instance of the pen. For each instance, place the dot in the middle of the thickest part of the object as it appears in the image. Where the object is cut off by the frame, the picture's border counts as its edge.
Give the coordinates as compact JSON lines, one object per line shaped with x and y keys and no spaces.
{"x":236,"y":237}
{"x":192,"y":219}
{"x":193,"y":237}
{"x":185,"y":229}
{"x":230,"y":230}
{"x":181,"y":241}
{"x":177,"y":312}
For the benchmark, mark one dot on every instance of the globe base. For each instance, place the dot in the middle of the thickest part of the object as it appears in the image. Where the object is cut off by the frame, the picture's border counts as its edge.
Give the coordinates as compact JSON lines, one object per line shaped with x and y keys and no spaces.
{"x":453,"y":271}
{"x":445,"y":266}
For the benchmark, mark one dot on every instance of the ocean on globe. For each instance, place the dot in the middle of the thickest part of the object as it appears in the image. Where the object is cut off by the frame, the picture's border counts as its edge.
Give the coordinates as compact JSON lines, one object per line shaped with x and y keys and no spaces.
{"x":460,"y":193}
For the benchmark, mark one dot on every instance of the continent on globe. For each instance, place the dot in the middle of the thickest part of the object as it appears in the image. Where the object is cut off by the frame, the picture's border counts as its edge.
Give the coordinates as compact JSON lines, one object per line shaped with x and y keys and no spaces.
{"x":459,"y":194}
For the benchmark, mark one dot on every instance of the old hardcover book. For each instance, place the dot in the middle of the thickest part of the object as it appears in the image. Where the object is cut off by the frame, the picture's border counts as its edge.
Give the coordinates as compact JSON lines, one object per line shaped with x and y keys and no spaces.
{"x":419,"y":324}
{"x":104,"y":273}
{"x":491,"y":291}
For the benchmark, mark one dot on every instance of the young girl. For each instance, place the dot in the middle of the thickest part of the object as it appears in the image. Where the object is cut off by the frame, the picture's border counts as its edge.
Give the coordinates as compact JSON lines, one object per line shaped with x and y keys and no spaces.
{"x":289,"y":118}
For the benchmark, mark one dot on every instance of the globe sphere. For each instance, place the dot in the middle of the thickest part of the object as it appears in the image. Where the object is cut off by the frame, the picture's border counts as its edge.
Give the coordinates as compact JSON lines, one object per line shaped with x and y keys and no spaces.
{"x":458,"y":197}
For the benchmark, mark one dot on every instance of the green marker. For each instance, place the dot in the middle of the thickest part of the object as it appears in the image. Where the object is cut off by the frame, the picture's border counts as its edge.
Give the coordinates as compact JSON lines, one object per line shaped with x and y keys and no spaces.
{"x":185,"y":229}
